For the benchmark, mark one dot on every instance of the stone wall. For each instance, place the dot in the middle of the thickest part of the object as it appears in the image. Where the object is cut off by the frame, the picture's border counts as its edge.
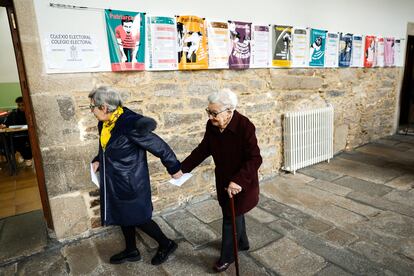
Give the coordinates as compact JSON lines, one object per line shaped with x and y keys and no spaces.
{"x":364,"y":101}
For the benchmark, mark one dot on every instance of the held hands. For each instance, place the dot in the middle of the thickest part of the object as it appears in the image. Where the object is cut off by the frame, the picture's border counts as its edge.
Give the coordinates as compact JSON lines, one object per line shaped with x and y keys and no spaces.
{"x":177,"y":174}
{"x":233,"y":189}
{"x":95,"y":166}
{"x":2,"y":126}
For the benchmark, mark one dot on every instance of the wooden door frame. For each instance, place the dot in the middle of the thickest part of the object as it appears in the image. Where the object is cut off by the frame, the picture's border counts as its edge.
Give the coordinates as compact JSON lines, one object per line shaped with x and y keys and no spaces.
{"x":31,"y":122}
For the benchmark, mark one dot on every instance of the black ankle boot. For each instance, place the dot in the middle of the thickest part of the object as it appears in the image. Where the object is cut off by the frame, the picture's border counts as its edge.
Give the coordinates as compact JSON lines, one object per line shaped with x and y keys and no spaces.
{"x":125,"y":256}
{"x":163,"y":253}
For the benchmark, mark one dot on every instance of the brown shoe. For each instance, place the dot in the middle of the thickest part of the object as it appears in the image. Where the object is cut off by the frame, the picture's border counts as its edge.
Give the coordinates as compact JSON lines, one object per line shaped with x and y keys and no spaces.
{"x":220,"y":267}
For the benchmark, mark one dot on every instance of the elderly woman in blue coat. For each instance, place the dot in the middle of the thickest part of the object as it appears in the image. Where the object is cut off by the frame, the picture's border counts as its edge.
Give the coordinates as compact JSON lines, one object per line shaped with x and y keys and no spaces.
{"x":125,"y":192}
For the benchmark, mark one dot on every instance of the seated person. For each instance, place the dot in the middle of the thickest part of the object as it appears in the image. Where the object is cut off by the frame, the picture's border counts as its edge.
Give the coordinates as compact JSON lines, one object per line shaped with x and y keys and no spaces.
{"x":21,"y":143}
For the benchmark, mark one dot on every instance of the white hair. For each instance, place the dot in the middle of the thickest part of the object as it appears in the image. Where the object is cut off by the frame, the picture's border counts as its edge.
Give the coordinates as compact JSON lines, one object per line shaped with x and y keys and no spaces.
{"x":105,"y":95}
{"x":224,"y":97}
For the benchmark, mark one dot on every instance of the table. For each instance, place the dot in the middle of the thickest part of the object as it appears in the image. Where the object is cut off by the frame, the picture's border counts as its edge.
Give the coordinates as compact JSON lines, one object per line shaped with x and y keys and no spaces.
{"x":6,"y":138}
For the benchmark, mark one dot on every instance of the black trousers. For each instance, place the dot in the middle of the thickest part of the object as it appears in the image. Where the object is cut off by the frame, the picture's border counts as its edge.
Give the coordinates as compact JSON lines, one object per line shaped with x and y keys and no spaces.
{"x":227,"y":255}
{"x":150,"y":228}
{"x":22,"y":145}
{"x":128,"y":53}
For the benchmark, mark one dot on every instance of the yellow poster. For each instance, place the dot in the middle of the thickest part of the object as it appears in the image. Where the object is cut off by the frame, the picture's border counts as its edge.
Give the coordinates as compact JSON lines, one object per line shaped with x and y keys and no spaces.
{"x":192,"y":43}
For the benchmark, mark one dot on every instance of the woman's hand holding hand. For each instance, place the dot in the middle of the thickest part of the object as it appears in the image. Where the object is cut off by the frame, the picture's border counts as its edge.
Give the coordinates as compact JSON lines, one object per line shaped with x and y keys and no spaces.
{"x":177,"y":174}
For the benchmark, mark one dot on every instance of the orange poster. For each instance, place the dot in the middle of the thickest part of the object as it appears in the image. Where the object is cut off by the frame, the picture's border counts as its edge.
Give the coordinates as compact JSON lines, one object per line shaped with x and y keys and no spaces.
{"x":192,"y":43}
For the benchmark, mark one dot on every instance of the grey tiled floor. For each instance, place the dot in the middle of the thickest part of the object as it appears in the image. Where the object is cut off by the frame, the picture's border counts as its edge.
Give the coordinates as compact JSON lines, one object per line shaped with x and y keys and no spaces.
{"x":353,"y":216}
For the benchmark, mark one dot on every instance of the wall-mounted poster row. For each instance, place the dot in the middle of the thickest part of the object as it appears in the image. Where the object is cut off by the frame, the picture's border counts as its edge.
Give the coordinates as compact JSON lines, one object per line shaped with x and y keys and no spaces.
{"x":137,"y":41}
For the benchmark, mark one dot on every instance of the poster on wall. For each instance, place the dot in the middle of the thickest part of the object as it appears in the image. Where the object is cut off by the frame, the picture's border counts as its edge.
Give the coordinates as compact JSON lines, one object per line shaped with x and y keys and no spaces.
{"x":161,"y":43}
{"x":317,"y":47}
{"x":126,"y":39}
{"x":379,"y":44}
{"x":332,"y":48}
{"x":300,"y":50}
{"x":369,"y":51}
{"x":240,"y":48}
{"x":260,"y":46}
{"x":397,"y":52}
{"x":71,"y":52}
{"x":389,"y":44}
{"x":357,"y":59}
{"x":281,"y":46}
{"x":345,"y":50}
{"x":218,"y":44}
{"x":192,"y":43}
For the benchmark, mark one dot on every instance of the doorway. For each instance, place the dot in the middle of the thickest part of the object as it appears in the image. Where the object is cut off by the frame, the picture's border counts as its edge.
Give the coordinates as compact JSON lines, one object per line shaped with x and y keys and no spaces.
{"x":24,"y":205}
{"x":406,"y":123}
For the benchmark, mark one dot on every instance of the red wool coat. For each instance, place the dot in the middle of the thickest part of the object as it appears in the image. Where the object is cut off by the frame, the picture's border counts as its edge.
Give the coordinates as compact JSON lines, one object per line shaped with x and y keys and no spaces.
{"x":237,"y":158}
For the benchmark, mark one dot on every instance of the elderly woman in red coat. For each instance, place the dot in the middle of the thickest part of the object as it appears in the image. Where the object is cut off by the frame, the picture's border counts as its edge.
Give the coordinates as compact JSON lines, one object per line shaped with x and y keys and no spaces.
{"x":230,"y":138}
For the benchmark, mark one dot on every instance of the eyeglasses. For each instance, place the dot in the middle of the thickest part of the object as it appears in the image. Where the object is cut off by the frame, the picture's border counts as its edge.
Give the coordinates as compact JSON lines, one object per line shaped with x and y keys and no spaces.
{"x":92,"y":106}
{"x":214,"y":114}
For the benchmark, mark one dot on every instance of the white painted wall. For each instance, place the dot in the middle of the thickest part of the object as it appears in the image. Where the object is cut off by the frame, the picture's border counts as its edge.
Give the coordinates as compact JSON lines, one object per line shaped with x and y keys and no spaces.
{"x":8,"y":67}
{"x":377,"y":17}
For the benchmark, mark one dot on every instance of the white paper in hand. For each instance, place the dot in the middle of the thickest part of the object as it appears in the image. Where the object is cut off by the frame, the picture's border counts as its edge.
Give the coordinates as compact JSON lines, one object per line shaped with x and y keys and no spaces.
{"x":180,"y":181}
{"x":94,"y":177}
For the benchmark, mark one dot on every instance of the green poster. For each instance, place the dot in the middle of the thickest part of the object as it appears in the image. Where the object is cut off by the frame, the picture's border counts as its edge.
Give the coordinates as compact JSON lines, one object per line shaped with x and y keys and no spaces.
{"x":126,"y":39}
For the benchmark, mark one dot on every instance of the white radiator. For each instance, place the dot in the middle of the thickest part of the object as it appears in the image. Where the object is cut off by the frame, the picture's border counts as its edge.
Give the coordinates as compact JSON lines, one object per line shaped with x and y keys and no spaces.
{"x":308,"y":137}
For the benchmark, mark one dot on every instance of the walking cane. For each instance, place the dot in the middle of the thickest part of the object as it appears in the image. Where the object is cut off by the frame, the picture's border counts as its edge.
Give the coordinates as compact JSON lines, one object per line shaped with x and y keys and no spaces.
{"x":233,"y":218}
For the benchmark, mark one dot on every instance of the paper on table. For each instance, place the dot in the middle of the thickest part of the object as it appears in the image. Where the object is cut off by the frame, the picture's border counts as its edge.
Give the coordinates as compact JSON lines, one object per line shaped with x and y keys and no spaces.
{"x":94,"y":177}
{"x":18,"y":126}
{"x":180,"y":181}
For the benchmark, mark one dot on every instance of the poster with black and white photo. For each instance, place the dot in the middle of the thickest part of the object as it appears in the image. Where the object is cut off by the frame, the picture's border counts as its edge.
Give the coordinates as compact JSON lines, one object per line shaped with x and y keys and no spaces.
{"x":357,"y":59}
{"x":260,"y":46}
{"x":345,"y":49}
{"x":331,"y":52}
{"x":300,"y":48}
{"x":281,"y":46}
{"x":192,"y":43}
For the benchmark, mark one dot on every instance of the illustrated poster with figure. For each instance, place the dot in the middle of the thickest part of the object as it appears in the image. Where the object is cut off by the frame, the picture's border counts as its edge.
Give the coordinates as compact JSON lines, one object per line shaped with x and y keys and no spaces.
{"x":332,"y":48}
{"x":161,"y":43}
{"x":317,"y":47}
{"x":260,"y":46}
{"x":192,"y":43}
{"x":357,"y":59}
{"x":379,"y":44}
{"x":345,"y":50}
{"x":300,"y":41}
{"x":389,"y":43}
{"x":240,"y":48}
{"x":281,"y":46}
{"x":126,"y":39}
{"x":218,"y":45}
{"x":369,"y":51}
